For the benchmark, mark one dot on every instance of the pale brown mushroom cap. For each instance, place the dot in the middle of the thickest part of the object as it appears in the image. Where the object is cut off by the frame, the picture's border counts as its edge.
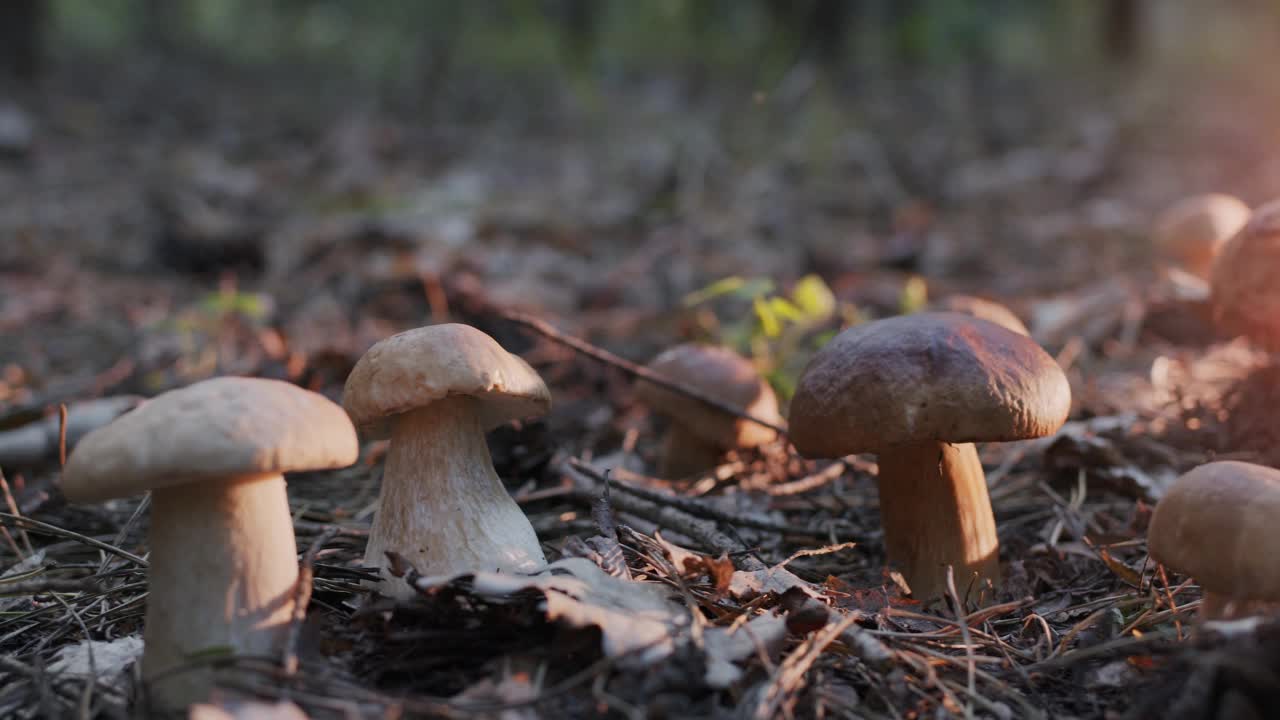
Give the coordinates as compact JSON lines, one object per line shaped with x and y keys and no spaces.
{"x":722,"y":374}
{"x":1217,"y":523}
{"x":413,"y":369}
{"x":941,"y":377}
{"x":1191,"y":232}
{"x":213,"y":430}
{"x":1243,"y":287}
{"x":988,"y":310}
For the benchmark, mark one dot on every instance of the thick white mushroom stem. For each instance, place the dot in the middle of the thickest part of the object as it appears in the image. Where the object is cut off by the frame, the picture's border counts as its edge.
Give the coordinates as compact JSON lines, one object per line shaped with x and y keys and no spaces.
{"x":443,"y":507}
{"x":684,"y":454}
{"x":223,"y":568}
{"x":936,"y":512}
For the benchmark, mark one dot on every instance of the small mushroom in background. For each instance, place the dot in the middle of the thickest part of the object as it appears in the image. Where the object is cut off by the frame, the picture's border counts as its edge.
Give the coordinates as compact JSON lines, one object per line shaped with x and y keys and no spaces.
{"x":435,"y":391}
{"x":1189,"y":234}
{"x":1219,"y":524}
{"x":223,"y":561}
{"x":977,"y":307}
{"x":1243,"y":286}
{"x":919,"y":390}
{"x":699,"y":435}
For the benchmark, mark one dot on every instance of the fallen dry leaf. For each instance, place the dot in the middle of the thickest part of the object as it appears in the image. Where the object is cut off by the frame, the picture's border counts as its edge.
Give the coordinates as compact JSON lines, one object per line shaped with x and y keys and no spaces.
{"x":638,"y":621}
{"x":725,"y":647}
{"x":105,"y":660}
{"x":1097,"y":447}
{"x":749,"y":584}
{"x":741,"y":584}
{"x":691,"y":564}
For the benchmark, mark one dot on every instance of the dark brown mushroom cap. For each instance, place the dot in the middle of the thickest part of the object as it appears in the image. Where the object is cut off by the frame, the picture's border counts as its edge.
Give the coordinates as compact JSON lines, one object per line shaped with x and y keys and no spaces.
{"x":1217,"y":523}
{"x":984,"y":309}
{"x":412,"y":369}
{"x":1243,"y":285}
{"x":723,"y":374}
{"x":944,"y":377}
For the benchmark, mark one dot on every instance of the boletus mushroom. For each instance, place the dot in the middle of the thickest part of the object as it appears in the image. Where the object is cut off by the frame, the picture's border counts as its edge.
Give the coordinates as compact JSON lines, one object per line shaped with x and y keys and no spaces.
{"x":698,"y":435}
{"x":1218,"y":524}
{"x":983,"y":309}
{"x":1243,"y":287}
{"x":1190,"y":233}
{"x":223,"y":561}
{"x":435,"y":391}
{"x":918,"y":390}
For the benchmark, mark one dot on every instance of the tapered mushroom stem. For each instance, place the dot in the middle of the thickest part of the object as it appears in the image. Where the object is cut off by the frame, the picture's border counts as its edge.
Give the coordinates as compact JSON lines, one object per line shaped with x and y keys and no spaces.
{"x":1214,"y":606}
{"x":684,"y":454}
{"x":936,"y":512}
{"x":222,"y":572}
{"x":443,"y":507}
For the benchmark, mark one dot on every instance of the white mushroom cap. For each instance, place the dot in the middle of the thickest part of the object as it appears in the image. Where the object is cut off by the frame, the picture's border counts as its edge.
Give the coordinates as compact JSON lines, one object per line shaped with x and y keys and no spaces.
{"x":415,"y":368}
{"x":212,"y":430}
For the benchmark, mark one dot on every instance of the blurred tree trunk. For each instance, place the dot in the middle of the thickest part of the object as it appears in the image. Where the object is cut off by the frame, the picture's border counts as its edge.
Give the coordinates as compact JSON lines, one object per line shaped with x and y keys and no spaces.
{"x":817,"y":28}
{"x":579,"y":24}
{"x":829,"y":22}
{"x":160,"y":25}
{"x":21,"y":34}
{"x":1120,"y":23}
{"x":900,"y":26}
{"x":702,"y":18}
{"x":441,"y":29}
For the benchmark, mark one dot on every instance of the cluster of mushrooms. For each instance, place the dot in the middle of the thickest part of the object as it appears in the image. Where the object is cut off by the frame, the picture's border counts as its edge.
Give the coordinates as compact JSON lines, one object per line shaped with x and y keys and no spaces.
{"x":918,"y":390}
{"x":223,"y":567}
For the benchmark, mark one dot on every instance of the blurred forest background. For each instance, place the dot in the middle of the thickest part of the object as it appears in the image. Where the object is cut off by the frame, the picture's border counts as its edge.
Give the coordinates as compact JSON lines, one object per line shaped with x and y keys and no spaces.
{"x":191,"y":188}
{"x":606,"y":162}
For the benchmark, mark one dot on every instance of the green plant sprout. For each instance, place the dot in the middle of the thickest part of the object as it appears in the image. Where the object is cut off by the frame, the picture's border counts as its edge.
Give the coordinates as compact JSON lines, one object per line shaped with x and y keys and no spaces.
{"x":914,"y":295}
{"x":252,"y":306}
{"x":199,"y":332}
{"x":782,"y":330}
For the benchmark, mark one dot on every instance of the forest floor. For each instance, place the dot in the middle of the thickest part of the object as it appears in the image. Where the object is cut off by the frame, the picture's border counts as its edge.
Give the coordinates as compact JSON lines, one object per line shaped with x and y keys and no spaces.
{"x":176,"y":223}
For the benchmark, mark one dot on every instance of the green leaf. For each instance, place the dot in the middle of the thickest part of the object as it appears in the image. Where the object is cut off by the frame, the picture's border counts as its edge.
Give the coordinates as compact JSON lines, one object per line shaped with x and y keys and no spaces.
{"x":783,"y":382}
{"x":915,"y":293}
{"x":823,"y":338}
{"x":814,"y":298}
{"x":250,"y":305}
{"x":783,"y":308}
{"x":738,"y":337}
{"x":723,"y":286}
{"x":770,"y":324}
{"x":733,"y":285}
